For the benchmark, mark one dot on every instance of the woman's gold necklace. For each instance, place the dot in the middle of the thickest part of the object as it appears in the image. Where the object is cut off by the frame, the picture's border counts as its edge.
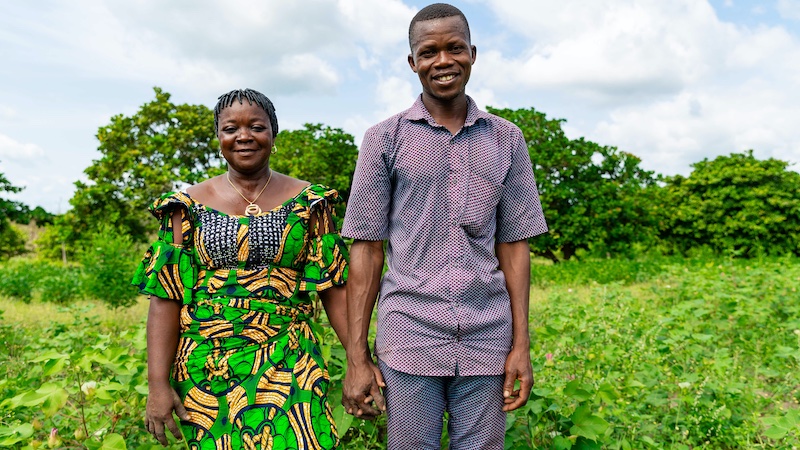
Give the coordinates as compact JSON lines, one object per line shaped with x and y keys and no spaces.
{"x":252,"y":209}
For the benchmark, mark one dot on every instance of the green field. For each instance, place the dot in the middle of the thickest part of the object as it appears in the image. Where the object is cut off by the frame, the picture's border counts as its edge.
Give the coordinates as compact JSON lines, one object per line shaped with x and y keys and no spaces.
{"x":631,"y":354}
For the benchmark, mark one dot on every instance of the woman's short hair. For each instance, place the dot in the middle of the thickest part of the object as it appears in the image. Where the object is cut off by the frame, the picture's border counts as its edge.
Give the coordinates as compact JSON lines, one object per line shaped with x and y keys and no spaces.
{"x":252,"y":96}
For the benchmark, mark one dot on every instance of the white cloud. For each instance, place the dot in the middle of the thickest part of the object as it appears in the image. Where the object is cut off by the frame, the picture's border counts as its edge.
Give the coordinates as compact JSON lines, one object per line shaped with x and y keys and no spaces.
{"x":13,"y":150}
{"x":667,"y":81}
{"x":671,"y":134}
{"x":789,"y":9}
{"x":620,"y":50}
{"x":209,"y":46}
{"x":7,"y":112}
{"x":393,"y":95}
{"x":380,"y":24}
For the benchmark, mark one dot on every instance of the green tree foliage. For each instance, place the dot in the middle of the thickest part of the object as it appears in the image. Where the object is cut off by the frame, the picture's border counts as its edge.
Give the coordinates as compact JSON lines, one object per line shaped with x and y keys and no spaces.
{"x":158,"y":149}
{"x":594,"y":197}
{"x":10,"y":210}
{"x":12,"y":241}
{"x":734,"y":204}
{"x":318,"y":154}
{"x":40,"y":216}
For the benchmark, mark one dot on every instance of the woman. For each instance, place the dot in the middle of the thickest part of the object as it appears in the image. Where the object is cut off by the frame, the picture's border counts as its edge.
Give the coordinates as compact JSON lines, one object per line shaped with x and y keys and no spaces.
{"x":230,"y":350}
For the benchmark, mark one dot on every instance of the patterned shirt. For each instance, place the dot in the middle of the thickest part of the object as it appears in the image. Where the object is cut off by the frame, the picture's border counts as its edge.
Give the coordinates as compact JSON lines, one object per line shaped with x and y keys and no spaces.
{"x":442,"y":201}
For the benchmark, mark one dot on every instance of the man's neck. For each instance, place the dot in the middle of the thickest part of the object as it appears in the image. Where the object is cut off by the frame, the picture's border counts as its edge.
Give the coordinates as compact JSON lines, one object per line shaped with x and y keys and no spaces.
{"x":449,"y":113}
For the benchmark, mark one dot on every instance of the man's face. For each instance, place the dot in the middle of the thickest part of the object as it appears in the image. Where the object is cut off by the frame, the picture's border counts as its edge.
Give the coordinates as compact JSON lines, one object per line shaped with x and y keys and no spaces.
{"x":442,"y":56}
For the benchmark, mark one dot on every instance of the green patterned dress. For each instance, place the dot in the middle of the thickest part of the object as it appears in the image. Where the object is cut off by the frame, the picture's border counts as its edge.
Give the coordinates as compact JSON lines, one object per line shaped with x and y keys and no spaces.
{"x":248,"y":366}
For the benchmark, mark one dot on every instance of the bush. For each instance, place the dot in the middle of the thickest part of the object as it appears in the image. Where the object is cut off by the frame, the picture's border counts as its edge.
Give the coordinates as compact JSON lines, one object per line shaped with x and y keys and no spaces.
{"x":22,"y":278}
{"x":109,"y":258}
{"x":60,"y":285}
{"x":52,"y":240}
{"x":12,"y":240}
{"x":18,"y":277}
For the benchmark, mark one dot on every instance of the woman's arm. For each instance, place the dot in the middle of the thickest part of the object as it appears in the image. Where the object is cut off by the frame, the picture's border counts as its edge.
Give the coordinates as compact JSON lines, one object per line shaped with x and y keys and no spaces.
{"x":163,"y":332}
{"x":334,"y":301}
{"x":162,"y":344}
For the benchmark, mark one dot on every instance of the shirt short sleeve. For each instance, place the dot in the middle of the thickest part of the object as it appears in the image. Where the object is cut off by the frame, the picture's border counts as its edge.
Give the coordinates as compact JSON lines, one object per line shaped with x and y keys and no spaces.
{"x":326,"y":264}
{"x":167,"y":270}
{"x":519,"y":213}
{"x":367,"y":214}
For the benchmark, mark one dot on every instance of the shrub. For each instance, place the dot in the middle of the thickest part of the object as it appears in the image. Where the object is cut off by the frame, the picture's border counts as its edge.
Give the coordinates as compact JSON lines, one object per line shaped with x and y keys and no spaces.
{"x":12,"y":240}
{"x":60,"y":285}
{"x":108,"y":258}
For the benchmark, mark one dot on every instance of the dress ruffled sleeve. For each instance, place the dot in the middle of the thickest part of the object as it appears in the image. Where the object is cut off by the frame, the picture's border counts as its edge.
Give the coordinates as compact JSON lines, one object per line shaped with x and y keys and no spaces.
{"x":327,"y":261}
{"x":167,"y":270}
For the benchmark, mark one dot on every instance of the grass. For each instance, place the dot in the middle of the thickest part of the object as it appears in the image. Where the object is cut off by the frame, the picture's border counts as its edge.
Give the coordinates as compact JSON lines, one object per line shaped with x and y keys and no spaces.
{"x":38,"y":313}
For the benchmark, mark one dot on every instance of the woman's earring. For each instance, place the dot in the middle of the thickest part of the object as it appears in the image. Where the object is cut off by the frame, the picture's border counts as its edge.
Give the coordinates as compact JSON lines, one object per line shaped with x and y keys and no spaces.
{"x":274,"y":149}
{"x":220,"y":154}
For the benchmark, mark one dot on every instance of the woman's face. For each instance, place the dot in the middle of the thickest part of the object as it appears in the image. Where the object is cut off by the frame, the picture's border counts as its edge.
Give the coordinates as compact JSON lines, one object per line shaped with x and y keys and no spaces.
{"x":245,"y":137}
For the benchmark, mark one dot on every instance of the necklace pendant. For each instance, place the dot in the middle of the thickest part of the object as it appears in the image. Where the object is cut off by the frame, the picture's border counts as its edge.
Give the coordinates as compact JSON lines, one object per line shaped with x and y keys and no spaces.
{"x":252,"y":209}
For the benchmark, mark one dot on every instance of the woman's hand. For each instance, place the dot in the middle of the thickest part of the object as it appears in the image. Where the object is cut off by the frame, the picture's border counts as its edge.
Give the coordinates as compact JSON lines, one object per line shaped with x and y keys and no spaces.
{"x":161,"y":402}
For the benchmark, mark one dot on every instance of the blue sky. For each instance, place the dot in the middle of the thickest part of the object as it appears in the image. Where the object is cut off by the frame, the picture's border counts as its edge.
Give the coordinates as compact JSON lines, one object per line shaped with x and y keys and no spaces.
{"x":671,"y":82}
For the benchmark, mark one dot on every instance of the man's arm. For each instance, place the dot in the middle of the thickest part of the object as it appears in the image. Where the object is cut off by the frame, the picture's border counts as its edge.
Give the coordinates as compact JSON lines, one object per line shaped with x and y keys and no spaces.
{"x":363,"y":380}
{"x":515,"y":262}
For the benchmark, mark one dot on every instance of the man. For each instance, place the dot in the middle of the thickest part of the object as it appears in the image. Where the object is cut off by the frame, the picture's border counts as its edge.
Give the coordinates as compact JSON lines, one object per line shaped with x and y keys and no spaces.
{"x":451,"y":189}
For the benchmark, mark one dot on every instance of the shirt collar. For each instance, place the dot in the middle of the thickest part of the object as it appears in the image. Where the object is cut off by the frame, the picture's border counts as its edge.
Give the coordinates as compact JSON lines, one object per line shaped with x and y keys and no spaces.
{"x":418,"y":111}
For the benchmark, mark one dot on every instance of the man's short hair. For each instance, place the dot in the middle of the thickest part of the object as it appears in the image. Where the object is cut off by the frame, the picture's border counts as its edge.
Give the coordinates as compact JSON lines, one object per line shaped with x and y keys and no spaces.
{"x":437,"y":11}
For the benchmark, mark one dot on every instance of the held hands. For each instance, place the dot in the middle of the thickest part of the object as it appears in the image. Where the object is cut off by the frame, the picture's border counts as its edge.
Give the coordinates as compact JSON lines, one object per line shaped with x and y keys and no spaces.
{"x":518,"y":367}
{"x":160,"y":404}
{"x":362,"y":387}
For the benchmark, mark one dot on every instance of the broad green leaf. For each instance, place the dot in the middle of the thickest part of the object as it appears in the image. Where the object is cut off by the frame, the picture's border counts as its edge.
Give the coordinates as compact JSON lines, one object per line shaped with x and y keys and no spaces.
{"x":778,"y":427}
{"x":577,"y":390}
{"x":561,"y":443}
{"x":54,"y":366}
{"x":50,"y":355}
{"x":587,"y":424}
{"x":342,"y":419}
{"x":113,"y":441}
{"x":586,"y":444}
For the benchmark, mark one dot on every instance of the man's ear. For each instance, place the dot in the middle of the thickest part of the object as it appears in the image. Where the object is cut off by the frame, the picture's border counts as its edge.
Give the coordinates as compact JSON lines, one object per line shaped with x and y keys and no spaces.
{"x":474,"y":53}
{"x":411,"y":62}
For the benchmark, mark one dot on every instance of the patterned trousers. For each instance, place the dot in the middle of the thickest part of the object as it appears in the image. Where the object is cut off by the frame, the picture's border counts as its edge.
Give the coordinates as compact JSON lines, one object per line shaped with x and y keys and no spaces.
{"x":415,"y":407}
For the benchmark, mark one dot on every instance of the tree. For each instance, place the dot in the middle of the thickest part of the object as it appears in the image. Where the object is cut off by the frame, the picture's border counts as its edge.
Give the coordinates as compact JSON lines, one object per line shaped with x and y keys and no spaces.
{"x":159,"y":149}
{"x":318,"y":154}
{"x":594,"y":197}
{"x":734,"y":204}
{"x":12,"y":241}
{"x":10,"y":210}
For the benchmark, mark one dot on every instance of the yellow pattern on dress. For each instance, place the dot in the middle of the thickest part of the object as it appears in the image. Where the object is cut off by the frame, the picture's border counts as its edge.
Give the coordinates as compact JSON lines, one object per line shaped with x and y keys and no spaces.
{"x":202,"y":408}
{"x":243,"y":242}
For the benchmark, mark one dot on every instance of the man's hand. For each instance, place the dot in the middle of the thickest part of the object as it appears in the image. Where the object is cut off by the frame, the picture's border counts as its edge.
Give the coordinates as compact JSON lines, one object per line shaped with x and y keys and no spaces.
{"x":362,"y":386}
{"x":158,"y":417}
{"x":518,"y":367}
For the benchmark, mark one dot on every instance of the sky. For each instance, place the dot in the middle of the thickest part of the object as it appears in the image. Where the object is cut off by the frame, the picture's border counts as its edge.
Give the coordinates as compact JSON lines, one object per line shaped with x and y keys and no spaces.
{"x":673,"y":82}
